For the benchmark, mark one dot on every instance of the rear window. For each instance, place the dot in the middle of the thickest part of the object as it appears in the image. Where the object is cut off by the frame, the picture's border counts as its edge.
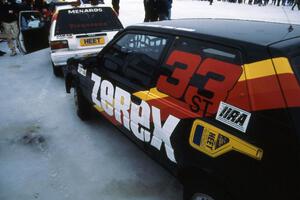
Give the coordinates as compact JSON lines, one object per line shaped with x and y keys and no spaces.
{"x":86,"y":20}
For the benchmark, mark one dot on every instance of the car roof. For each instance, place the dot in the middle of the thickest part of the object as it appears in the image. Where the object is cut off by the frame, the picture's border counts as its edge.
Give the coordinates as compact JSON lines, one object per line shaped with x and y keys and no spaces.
{"x":254,"y":32}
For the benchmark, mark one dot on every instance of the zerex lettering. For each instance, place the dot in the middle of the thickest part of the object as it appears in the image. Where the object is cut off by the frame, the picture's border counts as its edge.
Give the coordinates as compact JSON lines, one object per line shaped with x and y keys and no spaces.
{"x":116,"y":103}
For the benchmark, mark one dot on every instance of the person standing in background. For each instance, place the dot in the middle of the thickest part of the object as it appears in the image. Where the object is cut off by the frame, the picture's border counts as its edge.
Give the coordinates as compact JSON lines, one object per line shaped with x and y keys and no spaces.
{"x":169,"y":8}
{"x":9,"y":17}
{"x":116,"y":5}
{"x":151,"y":13}
{"x":164,"y":9}
{"x":297,"y":2}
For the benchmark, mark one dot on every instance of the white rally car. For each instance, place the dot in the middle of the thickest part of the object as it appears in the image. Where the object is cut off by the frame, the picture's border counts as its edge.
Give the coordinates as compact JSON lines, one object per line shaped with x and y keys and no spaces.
{"x":80,"y":31}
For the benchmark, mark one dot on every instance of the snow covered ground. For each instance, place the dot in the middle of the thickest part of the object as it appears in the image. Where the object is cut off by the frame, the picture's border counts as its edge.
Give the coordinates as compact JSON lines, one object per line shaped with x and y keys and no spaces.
{"x":131,"y":11}
{"x":47,"y":153}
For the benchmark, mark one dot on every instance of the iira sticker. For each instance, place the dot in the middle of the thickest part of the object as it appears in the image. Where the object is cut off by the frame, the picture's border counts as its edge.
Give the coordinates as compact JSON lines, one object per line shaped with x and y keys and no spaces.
{"x":233,"y":116}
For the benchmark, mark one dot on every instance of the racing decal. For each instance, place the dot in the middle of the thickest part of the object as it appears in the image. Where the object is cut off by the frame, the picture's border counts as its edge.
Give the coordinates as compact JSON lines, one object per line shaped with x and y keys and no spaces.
{"x":265,"y":92}
{"x":84,"y":10}
{"x":288,"y":81}
{"x":215,"y":142}
{"x":260,"y":91}
{"x":136,"y":118}
{"x":200,"y":83}
{"x":80,"y":70}
{"x":264,"y":89}
{"x":233,"y":116}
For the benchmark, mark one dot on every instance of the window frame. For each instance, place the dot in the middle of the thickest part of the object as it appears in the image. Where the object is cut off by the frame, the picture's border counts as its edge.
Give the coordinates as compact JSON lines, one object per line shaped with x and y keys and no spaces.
{"x":161,"y":58}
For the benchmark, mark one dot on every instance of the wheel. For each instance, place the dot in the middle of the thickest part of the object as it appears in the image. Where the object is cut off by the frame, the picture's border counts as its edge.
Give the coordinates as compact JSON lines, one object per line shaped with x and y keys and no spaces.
{"x":194,"y":191}
{"x":200,"y":196}
{"x":83,"y":107}
{"x":202,"y":187}
{"x":56,"y":70}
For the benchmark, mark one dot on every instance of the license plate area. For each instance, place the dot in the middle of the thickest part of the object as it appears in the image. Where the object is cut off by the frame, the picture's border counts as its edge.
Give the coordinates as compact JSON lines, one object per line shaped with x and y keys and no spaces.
{"x":86,"y":42}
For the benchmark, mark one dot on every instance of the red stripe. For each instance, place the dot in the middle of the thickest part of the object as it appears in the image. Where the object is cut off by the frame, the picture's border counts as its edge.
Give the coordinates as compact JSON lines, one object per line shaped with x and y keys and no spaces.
{"x":291,"y":89}
{"x":111,"y":118}
{"x":239,"y":96}
{"x":265,"y":93}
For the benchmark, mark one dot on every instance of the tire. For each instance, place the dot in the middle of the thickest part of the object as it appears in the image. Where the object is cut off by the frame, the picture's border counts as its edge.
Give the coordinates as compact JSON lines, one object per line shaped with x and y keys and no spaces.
{"x":56,"y":70}
{"x":83,"y":107}
{"x":200,"y":196}
{"x":201,"y":192}
{"x":202,"y":188}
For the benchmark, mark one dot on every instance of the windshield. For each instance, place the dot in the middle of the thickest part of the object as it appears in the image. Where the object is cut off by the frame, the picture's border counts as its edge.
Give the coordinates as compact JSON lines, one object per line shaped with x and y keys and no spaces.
{"x":86,"y":20}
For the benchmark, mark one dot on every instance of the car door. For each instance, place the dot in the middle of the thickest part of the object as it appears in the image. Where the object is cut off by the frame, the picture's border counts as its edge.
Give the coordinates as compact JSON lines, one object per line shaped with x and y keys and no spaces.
{"x":195,"y":77}
{"x":33,"y":33}
{"x":128,"y":69}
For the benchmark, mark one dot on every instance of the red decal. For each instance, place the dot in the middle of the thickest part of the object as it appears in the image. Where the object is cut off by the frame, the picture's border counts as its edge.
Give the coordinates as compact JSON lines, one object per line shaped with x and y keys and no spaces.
{"x":202,"y":86}
{"x":216,"y":79}
{"x":180,"y":76}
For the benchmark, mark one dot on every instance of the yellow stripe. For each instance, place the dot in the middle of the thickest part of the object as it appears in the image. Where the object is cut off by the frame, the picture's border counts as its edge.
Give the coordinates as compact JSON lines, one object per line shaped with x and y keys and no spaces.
{"x":142,"y":94}
{"x":243,"y":76}
{"x":155,"y":94}
{"x":100,"y":109}
{"x":151,"y":94}
{"x":282,"y":66}
{"x":265,"y":68}
{"x":259,"y":69}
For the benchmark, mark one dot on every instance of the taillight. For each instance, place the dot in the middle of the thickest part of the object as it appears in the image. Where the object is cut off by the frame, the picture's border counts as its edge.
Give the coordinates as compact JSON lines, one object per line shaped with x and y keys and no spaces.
{"x":60,"y":44}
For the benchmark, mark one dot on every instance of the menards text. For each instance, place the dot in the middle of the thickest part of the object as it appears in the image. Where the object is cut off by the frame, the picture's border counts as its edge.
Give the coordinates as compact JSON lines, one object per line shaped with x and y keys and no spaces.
{"x":136,"y":118}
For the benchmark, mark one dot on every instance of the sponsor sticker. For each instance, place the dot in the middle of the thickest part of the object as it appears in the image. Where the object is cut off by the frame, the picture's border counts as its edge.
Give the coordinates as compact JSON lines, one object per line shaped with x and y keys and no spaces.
{"x":233,"y":116}
{"x":215,"y":142}
{"x":84,"y":10}
{"x":81,"y":70}
{"x":92,"y":41}
{"x":135,"y":117}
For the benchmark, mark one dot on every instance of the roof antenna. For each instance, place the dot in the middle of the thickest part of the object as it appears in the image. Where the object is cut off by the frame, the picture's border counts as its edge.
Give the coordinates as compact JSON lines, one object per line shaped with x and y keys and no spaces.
{"x":290,"y":29}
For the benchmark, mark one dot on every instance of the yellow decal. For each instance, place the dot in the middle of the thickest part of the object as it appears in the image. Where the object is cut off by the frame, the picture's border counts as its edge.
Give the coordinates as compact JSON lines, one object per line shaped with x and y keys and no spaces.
{"x":151,"y":94}
{"x":282,"y":66}
{"x":92,"y":41}
{"x":215,"y":142}
{"x":259,"y":69}
{"x":100,"y":109}
{"x":142,"y":94}
{"x":155,"y":94}
{"x":265,"y":68}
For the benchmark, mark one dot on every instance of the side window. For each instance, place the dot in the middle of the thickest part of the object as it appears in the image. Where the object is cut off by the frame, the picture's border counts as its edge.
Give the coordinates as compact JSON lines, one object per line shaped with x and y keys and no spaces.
{"x":31,"y":20}
{"x":200,"y":74}
{"x":135,"y":57}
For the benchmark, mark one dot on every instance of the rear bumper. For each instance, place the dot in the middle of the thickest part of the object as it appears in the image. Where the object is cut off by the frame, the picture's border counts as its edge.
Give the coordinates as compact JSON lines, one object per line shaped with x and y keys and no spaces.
{"x":59,"y":58}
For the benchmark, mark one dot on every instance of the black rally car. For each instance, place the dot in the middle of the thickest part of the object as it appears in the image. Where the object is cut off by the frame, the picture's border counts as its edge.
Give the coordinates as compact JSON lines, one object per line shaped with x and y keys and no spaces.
{"x":215,"y":101}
